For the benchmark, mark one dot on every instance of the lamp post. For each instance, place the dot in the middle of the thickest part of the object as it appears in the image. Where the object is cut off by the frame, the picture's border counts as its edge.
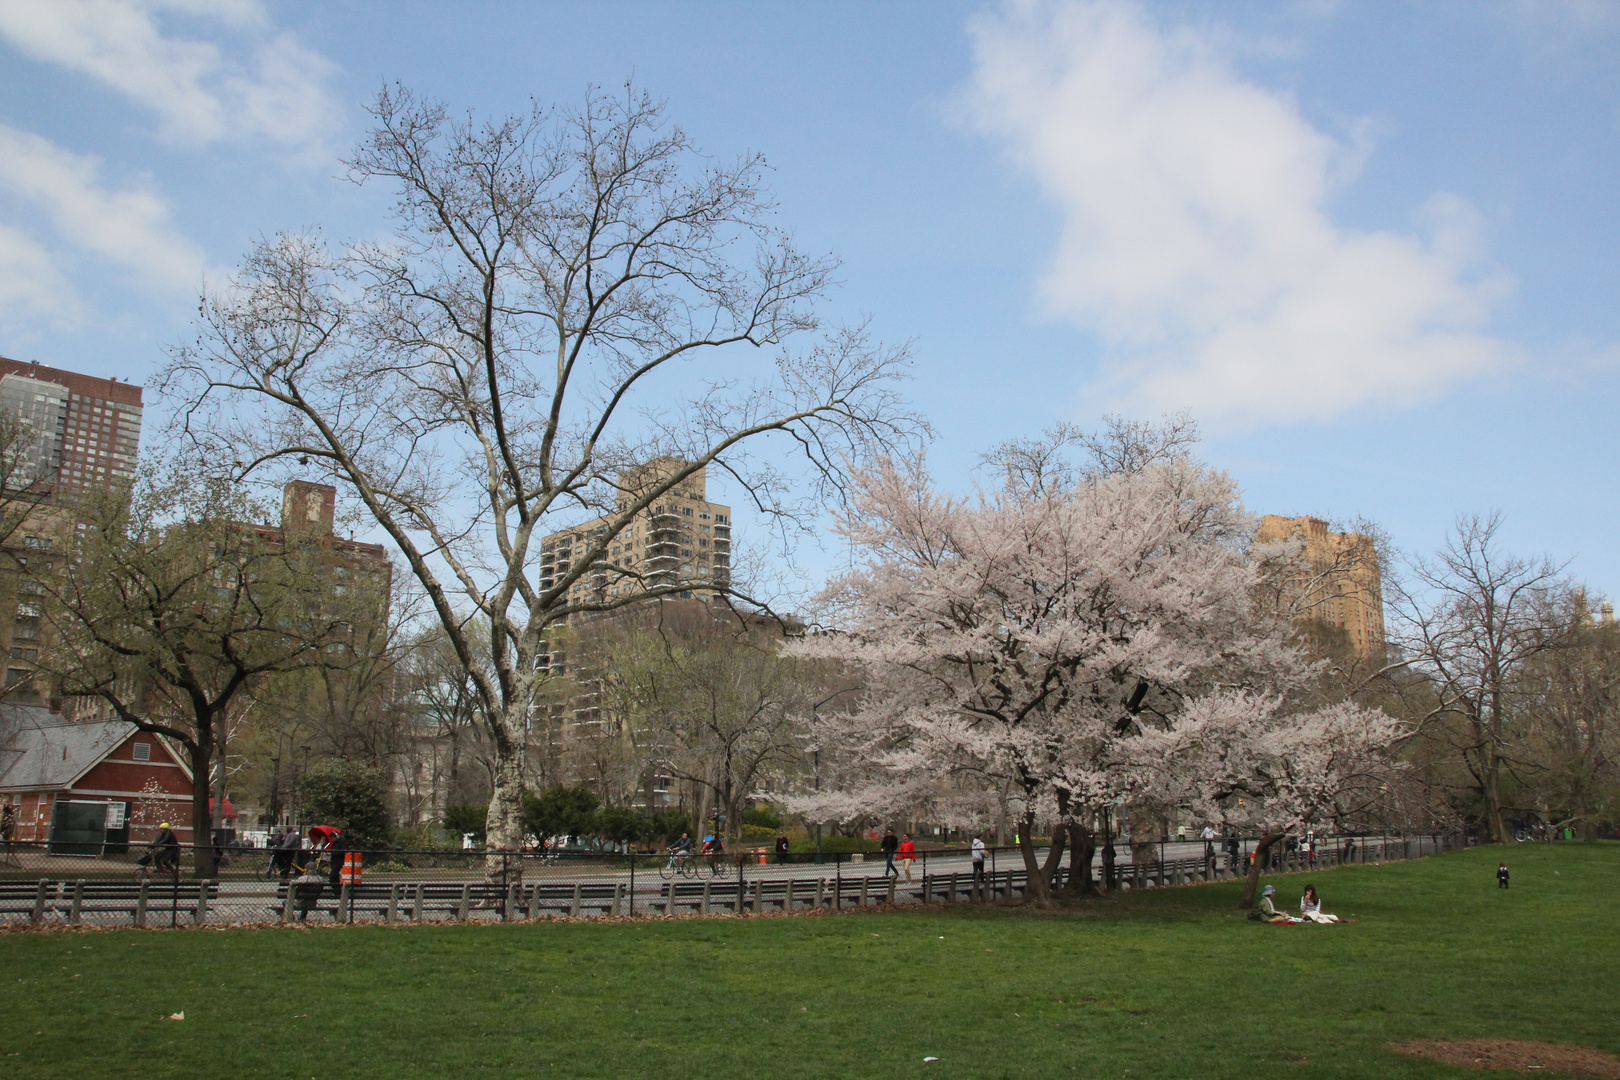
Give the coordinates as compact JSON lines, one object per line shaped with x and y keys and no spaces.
{"x":292,"y":801}
{"x":275,"y":792}
{"x":815,"y":754}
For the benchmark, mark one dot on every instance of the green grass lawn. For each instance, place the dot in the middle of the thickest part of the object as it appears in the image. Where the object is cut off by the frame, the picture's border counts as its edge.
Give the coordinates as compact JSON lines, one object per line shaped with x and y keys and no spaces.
{"x":1166,"y":984}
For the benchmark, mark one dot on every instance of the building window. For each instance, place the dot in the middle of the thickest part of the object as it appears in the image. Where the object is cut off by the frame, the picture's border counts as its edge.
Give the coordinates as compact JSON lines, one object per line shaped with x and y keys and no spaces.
{"x":25,"y":654}
{"x":17,"y":675}
{"x":143,"y":751}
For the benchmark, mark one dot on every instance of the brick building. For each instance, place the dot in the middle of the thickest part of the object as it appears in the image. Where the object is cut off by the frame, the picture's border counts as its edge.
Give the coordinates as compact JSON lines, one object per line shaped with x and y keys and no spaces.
{"x":86,"y":430}
{"x":76,"y":435}
{"x":90,"y":787}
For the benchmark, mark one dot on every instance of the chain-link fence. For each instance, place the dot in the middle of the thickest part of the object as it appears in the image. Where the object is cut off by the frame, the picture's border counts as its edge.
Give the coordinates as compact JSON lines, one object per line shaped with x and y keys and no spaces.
{"x":255,"y":885}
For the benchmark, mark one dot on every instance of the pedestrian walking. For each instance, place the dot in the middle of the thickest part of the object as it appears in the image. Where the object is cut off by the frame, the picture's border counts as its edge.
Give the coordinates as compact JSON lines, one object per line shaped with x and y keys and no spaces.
{"x":889,"y":846}
{"x":1501,"y":876}
{"x":908,"y":853}
{"x":1208,"y":836}
{"x":8,"y":831}
{"x":291,"y":841}
{"x":979,"y":852}
{"x":781,"y":849}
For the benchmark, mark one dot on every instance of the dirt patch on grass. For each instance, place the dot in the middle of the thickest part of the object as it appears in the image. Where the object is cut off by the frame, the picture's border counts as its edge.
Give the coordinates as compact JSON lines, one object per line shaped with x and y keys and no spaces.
{"x":1513,"y":1055}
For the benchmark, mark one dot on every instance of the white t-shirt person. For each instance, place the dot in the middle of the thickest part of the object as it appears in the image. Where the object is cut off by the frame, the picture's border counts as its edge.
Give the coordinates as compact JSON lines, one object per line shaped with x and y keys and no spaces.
{"x":978,"y":851}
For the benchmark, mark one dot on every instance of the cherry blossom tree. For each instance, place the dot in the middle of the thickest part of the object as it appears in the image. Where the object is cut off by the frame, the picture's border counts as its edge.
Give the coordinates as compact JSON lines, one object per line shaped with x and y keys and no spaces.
{"x":1244,"y":759}
{"x":1079,"y":635}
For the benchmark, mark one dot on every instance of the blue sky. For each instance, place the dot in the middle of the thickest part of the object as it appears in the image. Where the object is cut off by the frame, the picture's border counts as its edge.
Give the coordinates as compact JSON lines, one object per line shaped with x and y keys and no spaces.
{"x":1373,"y":247}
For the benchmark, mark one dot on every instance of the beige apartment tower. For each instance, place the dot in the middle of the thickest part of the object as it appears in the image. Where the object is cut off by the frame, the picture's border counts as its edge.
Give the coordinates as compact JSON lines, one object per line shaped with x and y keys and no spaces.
{"x":683,"y":540}
{"x":1337,"y":582}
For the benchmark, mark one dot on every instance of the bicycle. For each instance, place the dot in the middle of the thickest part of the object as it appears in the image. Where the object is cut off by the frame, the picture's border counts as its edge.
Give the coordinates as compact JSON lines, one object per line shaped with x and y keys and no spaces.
{"x":680,"y":863}
{"x":152,"y":864}
{"x":719,"y":865}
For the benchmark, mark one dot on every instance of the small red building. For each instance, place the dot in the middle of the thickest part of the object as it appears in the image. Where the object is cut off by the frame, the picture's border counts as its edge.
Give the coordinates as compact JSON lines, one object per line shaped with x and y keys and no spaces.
{"x":89,"y":787}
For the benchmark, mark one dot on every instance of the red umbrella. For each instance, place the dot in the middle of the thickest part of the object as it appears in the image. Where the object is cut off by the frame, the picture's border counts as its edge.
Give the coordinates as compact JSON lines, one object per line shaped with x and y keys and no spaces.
{"x":323,"y":835}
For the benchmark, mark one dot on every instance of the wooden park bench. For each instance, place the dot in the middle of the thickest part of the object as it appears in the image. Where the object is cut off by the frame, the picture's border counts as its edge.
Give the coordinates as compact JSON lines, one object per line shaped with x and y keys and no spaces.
{"x":73,"y":899}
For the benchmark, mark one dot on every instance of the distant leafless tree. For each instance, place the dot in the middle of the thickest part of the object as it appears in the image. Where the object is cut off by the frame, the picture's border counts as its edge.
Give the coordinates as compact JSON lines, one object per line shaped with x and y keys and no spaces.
{"x":1122,"y":446}
{"x":1473,"y":618}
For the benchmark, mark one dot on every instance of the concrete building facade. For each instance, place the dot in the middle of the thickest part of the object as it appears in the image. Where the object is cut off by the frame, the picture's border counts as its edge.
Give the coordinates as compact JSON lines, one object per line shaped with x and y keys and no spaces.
{"x":682,"y":540}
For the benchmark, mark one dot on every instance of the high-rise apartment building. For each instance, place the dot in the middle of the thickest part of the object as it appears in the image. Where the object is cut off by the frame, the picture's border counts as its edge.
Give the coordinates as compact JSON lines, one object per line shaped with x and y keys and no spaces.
{"x":681,"y":540}
{"x":80,"y":433}
{"x":1337,"y":580}
{"x":74,"y":434}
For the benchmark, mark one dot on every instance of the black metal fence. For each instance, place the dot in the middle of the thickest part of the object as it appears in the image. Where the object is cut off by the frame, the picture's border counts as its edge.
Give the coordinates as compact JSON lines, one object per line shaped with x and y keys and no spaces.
{"x":258,"y":885}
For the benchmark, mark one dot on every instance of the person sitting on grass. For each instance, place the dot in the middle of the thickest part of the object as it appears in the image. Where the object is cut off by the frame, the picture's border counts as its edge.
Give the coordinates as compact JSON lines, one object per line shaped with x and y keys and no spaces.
{"x":1310,"y":906}
{"x":1268,"y":910}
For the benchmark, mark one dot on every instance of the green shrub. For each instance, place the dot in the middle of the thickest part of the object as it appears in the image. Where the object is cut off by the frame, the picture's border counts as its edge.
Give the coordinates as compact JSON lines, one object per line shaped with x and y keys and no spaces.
{"x":835,"y":843}
{"x":762,"y":819}
{"x":417,"y":838}
{"x":464,"y":819}
{"x":560,"y":811}
{"x":667,"y":825}
{"x":622,"y":825}
{"x":350,"y":796}
{"x":387,"y":867}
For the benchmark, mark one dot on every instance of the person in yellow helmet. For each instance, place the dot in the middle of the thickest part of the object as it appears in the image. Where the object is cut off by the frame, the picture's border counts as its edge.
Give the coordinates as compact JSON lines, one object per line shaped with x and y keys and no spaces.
{"x":163,"y":852}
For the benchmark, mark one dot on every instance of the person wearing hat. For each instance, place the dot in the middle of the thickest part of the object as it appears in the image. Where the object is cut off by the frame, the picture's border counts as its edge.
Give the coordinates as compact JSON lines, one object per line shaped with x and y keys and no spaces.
{"x":163,"y":852}
{"x":1268,"y":910}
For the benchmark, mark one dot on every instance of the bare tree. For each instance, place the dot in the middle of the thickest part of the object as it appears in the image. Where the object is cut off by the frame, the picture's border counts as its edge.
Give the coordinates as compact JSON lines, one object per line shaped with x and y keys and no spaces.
{"x":1571,"y":753}
{"x":447,"y":741}
{"x":699,"y":695}
{"x":520,"y":348}
{"x":1121,"y":447}
{"x":1472,"y":618}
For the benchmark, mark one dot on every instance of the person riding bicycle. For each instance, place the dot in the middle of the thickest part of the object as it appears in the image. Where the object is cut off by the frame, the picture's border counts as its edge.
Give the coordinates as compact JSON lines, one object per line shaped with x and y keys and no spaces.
{"x":163,"y":852}
{"x":681,"y":849}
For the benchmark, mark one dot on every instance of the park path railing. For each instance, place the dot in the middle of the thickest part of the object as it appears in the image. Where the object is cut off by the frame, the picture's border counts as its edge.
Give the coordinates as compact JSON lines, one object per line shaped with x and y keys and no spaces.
{"x":254,"y":886}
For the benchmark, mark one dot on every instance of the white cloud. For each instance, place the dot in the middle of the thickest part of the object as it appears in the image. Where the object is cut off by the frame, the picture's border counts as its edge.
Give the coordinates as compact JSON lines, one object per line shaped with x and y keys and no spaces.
{"x":1195,"y":237}
{"x":257,"y":83}
{"x":31,"y":287}
{"x":128,"y":226}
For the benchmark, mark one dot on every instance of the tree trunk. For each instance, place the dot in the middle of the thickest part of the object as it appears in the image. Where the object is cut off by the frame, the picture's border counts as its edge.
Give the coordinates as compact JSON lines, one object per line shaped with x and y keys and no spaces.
{"x":503,"y":822}
{"x":1251,"y":885}
{"x":202,"y":822}
{"x":1491,"y":785}
{"x":1054,"y":858}
{"x":1035,"y":891}
{"x":1082,"y":846}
